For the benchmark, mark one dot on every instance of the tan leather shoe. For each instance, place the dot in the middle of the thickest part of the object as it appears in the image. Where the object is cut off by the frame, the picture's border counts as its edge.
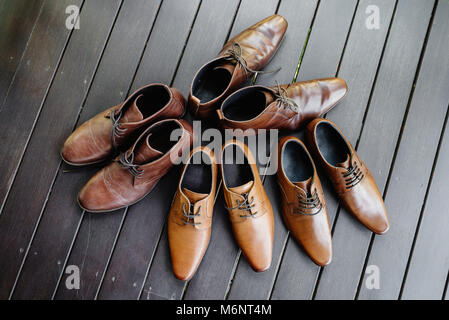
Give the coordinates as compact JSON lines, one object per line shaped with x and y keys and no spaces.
{"x":248,"y":204}
{"x":303,"y":204}
{"x":190,"y":218}
{"x":350,"y":177}
{"x":133,"y":174}
{"x":243,"y":55}
{"x":281,"y":107}
{"x":97,"y":139}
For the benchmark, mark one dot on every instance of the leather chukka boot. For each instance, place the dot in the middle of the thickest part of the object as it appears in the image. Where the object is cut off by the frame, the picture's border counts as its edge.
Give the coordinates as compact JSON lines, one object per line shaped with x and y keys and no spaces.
{"x":242,"y":56}
{"x":287,"y":106}
{"x":114,"y":129}
{"x":135,"y":172}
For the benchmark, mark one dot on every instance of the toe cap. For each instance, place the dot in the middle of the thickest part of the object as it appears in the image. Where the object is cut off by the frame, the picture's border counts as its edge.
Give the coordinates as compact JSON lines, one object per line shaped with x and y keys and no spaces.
{"x":79,"y":149}
{"x":337,"y":89}
{"x":95,"y":196}
{"x":187,"y":248}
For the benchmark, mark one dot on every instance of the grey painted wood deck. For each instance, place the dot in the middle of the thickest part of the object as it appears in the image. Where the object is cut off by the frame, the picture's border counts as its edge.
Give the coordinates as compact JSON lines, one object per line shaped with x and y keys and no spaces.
{"x":395,"y":113}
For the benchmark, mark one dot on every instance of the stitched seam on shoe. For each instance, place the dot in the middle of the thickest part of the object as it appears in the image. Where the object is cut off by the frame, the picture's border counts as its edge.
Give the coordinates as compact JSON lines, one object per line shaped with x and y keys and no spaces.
{"x":93,"y":136}
{"x":111,"y":189}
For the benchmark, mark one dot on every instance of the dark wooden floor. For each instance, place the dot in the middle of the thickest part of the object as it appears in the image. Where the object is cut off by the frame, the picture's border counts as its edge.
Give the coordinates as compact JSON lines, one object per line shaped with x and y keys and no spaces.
{"x":52,"y":79}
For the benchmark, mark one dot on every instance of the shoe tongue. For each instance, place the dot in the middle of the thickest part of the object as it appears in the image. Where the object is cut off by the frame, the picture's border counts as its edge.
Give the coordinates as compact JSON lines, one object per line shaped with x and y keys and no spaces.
{"x":243,"y":188}
{"x":228,"y":66}
{"x":345,"y":164}
{"x":193,"y":196}
{"x":305,"y":185}
{"x":132,"y":113}
{"x":143,"y":152}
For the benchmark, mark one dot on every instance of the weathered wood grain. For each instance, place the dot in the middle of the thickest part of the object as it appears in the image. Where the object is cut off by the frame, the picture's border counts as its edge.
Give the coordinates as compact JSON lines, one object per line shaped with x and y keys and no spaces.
{"x":208,"y":35}
{"x":93,"y":243}
{"x":18,"y":115}
{"x":17,"y":22}
{"x":297,"y":273}
{"x":378,"y":141}
{"x":247,"y":284}
{"x":395,"y":112}
{"x":406,"y":191}
{"x":144,"y":222}
{"x":20,"y":111}
{"x":212,"y":278}
{"x":41,"y":159}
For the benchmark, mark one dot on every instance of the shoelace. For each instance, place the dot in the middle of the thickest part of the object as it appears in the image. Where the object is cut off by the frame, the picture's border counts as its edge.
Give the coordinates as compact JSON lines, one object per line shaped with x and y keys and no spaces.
{"x":116,"y":131}
{"x":245,"y":205}
{"x":127,"y":162}
{"x":285,"y":101}
{"x":309,"y":205}
{"x":236,"y":54}
{"x":190,"y":215}
{"x":353,"y":175}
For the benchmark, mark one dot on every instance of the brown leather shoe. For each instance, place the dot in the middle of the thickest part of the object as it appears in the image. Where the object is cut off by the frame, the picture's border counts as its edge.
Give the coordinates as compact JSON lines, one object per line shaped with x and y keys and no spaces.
{"x":281,"y":107}
{"x":115,"y":128}
{"x":248,"y":204}
{"x":350,"y":177}
{"x":243,"y":55}
{"x":134,"y":173}
{"x":303,"y":204}
{"x":190,"y":218}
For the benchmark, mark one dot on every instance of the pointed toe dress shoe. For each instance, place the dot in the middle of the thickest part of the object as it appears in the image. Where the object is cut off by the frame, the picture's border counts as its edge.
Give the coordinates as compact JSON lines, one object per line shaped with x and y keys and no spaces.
{"x":242,"y":56}
{"x":303,"y":204}
{"x":281,"y":107}
{"x":114,"y":129}
{"x":190,"y":217}
{"x":248,"y":205}
{"x":135,"y":172}
{"x":349,"y":175}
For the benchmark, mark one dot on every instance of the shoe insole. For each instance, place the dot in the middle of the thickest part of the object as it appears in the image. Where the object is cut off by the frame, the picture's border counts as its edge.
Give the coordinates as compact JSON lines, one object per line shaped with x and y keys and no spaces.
{"x":296,"y":162}
{"x":198,"y":178}
{"x":160,"y":137}
{"x":331,"y":144}
{"x":236,"y":168}
{"x":211,"y":82}
{"x":153,"y":99}
{"x":245,"y":105}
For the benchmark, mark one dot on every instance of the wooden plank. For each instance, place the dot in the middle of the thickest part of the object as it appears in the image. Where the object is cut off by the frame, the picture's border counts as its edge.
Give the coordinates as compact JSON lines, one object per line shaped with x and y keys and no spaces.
{"x":34,"y":77}
{"x":208,"y":35}
{"x":142,"y":227}
{"x":18,"y":114}
{"x":247,"y":284}
{"x":297,"y":273}
{"x":108,"y":88}
{"x":212,"y":278}
{"x":429,"y":265}
{"x":378,"y":141}
{"x":69,"y":90}
{"x":17,"y":22}
{"x":406,"y":192}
